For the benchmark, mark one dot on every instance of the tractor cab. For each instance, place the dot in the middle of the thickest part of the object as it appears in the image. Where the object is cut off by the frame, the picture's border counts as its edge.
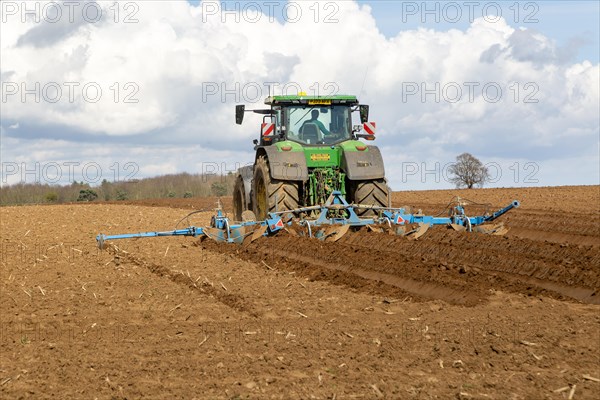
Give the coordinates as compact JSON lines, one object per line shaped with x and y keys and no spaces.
{"x":310,"y":120}
{"x":317,"y":125}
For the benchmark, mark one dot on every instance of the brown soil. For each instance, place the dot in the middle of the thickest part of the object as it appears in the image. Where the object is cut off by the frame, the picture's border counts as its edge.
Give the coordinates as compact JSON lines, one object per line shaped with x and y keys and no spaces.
{"x":194,"y":203}
{"x":451,"y":315}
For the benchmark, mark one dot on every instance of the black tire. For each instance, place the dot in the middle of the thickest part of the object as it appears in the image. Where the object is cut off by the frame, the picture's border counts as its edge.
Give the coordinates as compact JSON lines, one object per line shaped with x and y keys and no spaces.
{"x":239,"y":199}
{"x":270,"y":195}
{"x":371,"y":193}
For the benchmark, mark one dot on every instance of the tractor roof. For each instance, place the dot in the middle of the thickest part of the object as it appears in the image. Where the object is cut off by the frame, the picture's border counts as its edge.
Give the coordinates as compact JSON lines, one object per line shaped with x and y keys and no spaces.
{"x":311,"y":100}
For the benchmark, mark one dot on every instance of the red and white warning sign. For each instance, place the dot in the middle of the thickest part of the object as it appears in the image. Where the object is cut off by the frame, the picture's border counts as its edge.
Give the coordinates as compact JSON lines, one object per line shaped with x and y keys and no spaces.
{"x":267,"y":128}
{"x":399,"y":220}
{"x":369,"y":127}
{"x":278,"y":224}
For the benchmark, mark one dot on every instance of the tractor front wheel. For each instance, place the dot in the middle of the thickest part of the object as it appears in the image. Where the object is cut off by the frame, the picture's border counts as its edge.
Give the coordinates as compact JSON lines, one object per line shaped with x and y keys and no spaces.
{"x":271,"y":195}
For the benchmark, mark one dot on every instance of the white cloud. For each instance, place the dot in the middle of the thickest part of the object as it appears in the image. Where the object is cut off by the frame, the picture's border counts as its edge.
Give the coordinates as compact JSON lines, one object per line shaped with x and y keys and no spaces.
{"x":174,"y":55}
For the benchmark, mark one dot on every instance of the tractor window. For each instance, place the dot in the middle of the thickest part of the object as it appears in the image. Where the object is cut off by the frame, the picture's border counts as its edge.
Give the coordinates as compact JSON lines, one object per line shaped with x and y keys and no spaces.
{"x":318,"y":125}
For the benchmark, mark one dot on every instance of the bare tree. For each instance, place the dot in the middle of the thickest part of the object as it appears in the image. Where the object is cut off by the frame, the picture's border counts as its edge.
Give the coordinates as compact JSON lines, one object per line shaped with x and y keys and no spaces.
{"x":468,"y":171}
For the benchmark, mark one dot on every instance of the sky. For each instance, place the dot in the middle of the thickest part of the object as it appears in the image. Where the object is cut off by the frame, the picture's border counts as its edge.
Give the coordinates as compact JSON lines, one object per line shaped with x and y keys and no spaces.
{"x":127,"y":90}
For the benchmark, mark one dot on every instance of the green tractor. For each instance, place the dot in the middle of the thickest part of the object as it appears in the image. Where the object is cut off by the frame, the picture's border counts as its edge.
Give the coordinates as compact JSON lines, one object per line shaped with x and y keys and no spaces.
{"x":308,"y":148}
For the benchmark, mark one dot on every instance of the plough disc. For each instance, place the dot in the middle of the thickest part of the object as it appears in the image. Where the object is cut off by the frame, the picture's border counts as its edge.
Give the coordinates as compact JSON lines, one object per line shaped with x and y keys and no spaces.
{"x":335,"y":232}
{"x":238,"y":234}
{"x":417,"y":233}
{"x":248,"y":216}
{"x":498,"y":229}
{"x":458,"y":228}
{"x":376,"y":229}
{"x":258,"y":232}
{"x":218,"y":235}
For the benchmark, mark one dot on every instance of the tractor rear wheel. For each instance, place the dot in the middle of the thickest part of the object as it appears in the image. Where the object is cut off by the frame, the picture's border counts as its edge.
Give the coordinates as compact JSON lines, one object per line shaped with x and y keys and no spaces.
{"x":371,"y":193}
{"x":239,"y":199}
{"x":270,"y":195}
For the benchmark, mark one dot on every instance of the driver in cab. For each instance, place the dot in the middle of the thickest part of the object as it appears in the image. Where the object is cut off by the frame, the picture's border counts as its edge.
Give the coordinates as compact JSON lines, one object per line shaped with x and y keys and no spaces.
{"x":314,"y":119}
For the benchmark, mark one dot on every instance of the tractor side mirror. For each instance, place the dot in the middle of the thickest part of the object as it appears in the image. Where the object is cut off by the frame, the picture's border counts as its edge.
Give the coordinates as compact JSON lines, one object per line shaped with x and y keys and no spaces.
{"x":239,"y":113}
{"x":364,"y":113}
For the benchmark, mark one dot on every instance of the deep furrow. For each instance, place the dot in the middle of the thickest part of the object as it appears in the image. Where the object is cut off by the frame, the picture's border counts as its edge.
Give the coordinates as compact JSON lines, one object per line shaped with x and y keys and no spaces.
{"x":457,"y":268}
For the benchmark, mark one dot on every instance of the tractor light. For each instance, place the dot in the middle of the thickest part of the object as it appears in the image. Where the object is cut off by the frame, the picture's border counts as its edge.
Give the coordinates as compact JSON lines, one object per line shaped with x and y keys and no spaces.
{"x":361,"y":148}
{"x":369,"y":137}
{"x":286,"y":148}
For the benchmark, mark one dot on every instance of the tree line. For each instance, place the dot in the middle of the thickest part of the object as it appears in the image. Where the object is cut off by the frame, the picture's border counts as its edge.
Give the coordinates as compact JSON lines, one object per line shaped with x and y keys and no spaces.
{"x":181,"y":185}
{"x":466,"y":172}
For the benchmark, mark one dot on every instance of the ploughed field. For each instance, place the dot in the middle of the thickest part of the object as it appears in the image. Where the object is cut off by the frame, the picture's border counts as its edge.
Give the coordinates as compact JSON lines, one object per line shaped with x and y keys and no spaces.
{"x":450,"y":315}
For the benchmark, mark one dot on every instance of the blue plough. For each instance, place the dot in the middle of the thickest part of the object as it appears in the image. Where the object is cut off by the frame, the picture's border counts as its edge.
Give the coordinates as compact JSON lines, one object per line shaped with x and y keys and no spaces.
{"x":334,"y":219}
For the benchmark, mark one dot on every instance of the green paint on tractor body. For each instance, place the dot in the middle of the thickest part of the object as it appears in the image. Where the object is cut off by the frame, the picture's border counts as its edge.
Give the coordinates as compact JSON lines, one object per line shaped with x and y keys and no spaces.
{"x":352,"y":145}
{"x":293,"y":146}
{"x":322,"y":156}
{"x":324,"y":165}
